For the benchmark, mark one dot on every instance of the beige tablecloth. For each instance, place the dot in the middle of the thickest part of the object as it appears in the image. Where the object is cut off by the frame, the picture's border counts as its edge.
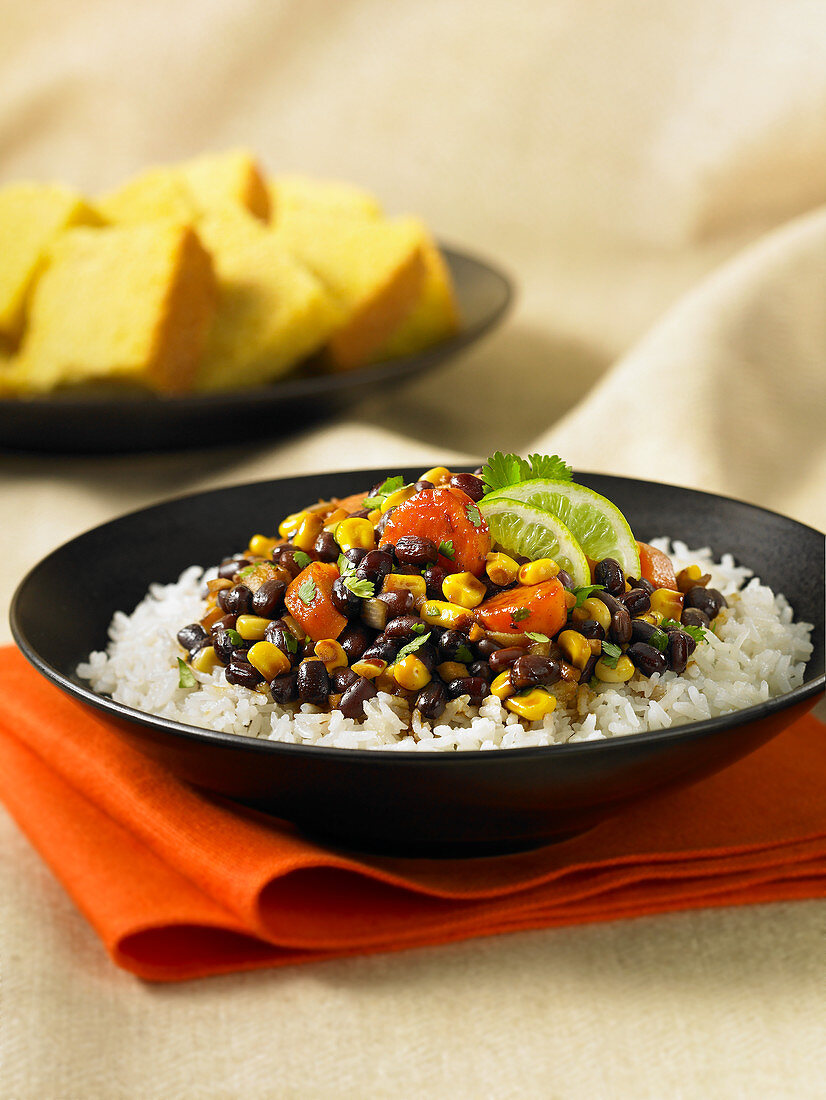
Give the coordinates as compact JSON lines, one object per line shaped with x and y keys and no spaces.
{"x":651,"y":174}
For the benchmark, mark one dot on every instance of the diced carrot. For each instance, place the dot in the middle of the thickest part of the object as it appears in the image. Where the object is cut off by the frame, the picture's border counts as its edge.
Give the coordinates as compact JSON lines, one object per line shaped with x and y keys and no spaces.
{"x":656,"y":567}
{"x":444,"y":515}
{"x":544,"y":604}
{"x":309,"y":601}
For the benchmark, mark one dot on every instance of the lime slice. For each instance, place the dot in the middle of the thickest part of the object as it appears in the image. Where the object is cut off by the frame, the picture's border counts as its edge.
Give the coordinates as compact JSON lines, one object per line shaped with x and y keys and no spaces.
{"x":598,"y":526}
{"x":534,"y":533}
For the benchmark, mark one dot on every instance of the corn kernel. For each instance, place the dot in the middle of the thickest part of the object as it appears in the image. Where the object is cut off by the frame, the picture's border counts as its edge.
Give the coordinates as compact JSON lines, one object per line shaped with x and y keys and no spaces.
{"x":206,"y":659}
{"x":437,"y":476}
{"x":353,"y":534}
{"x":575,"y":648}
{"x":410,"y":582}
{"x":667,"y":602}
{"x":475,"y":634}
{"x":369,"y":669}
{"x":334,"y":519}
{"x":397,"y":498}
{"x":595,"y":609}
{"x":692,"y":577}
{"x":501,"y":568}
{"x":374,"y":516}
{"x":268,"y":659}
{"x":411,"y":673}
{"x":533,"y":705}
{"x":501,"y":686}
{"x":261,"y":547}
{"x":331,"y":653}
{"x":463,"y":589}
{"x":648,"y":618}
{"x":535,"y":572}
{"x":570,"y":600}
{"x":452,"y":670}
{"x":251,"y":627}
{"x":449,"y":615}
{"x":309,"y":530}
{"x":288,"y":526}
{"x":619,"y":675}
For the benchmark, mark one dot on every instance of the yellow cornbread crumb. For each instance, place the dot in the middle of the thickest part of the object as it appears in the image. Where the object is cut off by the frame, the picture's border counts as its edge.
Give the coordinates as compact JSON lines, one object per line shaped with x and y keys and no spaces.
{"x":126,"y":303}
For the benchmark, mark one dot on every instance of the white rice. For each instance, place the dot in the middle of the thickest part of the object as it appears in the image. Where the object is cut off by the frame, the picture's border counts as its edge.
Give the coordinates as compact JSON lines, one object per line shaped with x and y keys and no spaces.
{"x":755,"y":653}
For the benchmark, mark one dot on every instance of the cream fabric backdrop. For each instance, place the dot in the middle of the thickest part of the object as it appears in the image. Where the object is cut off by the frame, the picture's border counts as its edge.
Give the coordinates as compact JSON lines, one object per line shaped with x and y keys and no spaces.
{"x":642,"y":169}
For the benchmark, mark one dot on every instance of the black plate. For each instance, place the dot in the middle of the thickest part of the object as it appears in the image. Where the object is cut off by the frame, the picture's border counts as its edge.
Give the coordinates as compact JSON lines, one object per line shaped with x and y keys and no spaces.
{"x":415,"y":802}
{"x":106,"y":424}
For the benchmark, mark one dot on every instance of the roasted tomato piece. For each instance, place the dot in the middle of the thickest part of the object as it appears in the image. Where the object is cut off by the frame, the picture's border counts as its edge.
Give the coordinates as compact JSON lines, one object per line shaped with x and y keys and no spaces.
{"x":536,"y":607}
{"x":444,"y":515}
{"x":308,"y":599}
{"x":656,"y":567}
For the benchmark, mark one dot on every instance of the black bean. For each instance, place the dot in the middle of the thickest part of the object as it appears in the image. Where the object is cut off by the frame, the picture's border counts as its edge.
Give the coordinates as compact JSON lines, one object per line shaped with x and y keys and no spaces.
{"x":434,"y":577}
{"x":450,"y":643}
{"x":637,"y":601}
{"x":277,"y":633}
{"x":399,"y":602}
{"x":355,"y":554}
{"x":481,"y":668}
{"x":235,"y":600}
{"x":620,"y":630}
{"x":645,"y":585}
{"x":588,"y":671}
{"x":228,"y":569}
{"x":404,"y":627}
{"x":344,"y":600}
{"x":384,"y":648}
{"x":468,"y":483}
{"x":589,"y":628}
{"x":384,"y":520}
{"x":284,"y":688}
{"x":239,"y":653}
{"x":680,"y":648}
{"x":342,"y":678}
{"x":223,"y":646}
{"x":242,"y":674}
{"x":313,"y":683}
{"x":424,"y":486}
{"x":474,"y":686}
{"x":641,"y":631}
{"x":268,"y":600}
{"x":485,"y":647}
{"x":646,"y":658}
{"x":427,"y":655}
{"x":287,"y":561}
{"x":353,"y":700}
{"x":226,"y":622}
{"x":566,"y":580}
{"x":504,"y":658}
{"x":431,"y":700}
{"x":282,"y":548}
{"x":693,"y":616}
{"x":326,"y":548}
{"x":708,"y":600}
{"x":415,"y":550}
{"x":374,"y":567}
{"x":362,"y":513}
{"x":609,"y":572}
{"x":534,"y":669}
{"x":354,"y":639}
{"x":192,"y":637}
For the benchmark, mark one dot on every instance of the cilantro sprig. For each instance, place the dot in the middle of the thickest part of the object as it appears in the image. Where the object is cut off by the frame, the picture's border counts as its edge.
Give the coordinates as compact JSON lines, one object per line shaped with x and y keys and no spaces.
{"x":307,"y":591}
{"x":301,"y":559}
{"x":520,"y":613}
{"x":365,"y":590}
{"x":585,"y":591}
{"x":696,"y":632}
{"x":535,"y":636}
{"x":610,"y":654}
{"x":411,"y":647}
{"x":448,"y":549}
{"x":388,"y":486}
{"x":509,"y":469}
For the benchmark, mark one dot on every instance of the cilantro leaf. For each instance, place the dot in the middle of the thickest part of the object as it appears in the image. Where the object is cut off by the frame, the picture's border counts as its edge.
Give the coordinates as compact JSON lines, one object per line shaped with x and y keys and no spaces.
{"x":411,"y":647}
{"x":419,"y":628}
{"x":447,"y":549}
{"x":301,"y":559}
{"x":549,"y":466}
{"x":186,"y":677}
{"x":345,"y":566}
{"x":365,"y":590}
{"x":473,"y":514}
{"x":659,"y":640}
{"x":696,"y":632}
{"x":307,"y":591}
{"x":292,"y":641}
{"x":520,"y":613}
{"x":464,"y":655}
{"x":245,"y":572}
{"x":388,"y":486}
{"x":610,"y":654}
{"x":235,"y":637}
{"x":536,"y":636}
{"x":585,"y":591}
{"x":508,"y":469}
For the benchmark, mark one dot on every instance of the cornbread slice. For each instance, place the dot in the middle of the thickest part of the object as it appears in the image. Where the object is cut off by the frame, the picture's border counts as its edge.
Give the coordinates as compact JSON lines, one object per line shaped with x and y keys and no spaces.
{"x":184,"y":192}
{"x":302,"y":192}
{"x":374,"y":268}
{"x":272,"y":311}
{"x":31,"y":215}
{"x":126,"y":303}
{"x":435,"y":315}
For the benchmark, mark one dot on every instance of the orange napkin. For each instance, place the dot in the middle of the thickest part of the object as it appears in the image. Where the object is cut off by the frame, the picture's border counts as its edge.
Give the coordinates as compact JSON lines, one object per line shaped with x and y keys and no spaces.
{"x":180,"y":884}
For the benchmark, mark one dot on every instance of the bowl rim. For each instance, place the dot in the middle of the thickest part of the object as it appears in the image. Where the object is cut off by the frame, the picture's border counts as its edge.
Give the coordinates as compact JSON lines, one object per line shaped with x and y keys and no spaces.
{"x":685,"y":732}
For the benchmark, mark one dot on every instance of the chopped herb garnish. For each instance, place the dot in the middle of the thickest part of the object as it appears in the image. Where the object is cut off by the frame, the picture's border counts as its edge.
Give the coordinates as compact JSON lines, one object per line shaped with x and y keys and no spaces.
{"x":365,"y":590}
{"x":307,"y":591}
{"x":508,"y":469}
{"x":235,"y":637}
{"x":245,"y":572}
{"x":186,"y":677}
{"x":345,"y":566}
{"x":419,"y":628}
{"x":610,"y":654}
{"x":447,"y":549}
{"x":659,"y":640}
{"x":411,"y":647}
{"x":696,"y":632}
{"x":536,"y":636}
{"x":473,"y":514}
{"x":464,"y":655}
{"x":585,"y":592}
{"x":301,"y":559}
{"x":292,"y":641}
{"x":520,"y":613}
{"x":388,"y":486}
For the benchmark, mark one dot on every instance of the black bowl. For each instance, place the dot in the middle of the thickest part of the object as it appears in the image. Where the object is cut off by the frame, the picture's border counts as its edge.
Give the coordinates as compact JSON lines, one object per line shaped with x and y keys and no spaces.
{"x":78,"y":423}
{"x":469,"y":802}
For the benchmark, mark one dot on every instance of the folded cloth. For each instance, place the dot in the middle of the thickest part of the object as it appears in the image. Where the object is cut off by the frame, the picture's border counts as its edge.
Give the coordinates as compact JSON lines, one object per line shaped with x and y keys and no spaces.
{"x":181,"y":884}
